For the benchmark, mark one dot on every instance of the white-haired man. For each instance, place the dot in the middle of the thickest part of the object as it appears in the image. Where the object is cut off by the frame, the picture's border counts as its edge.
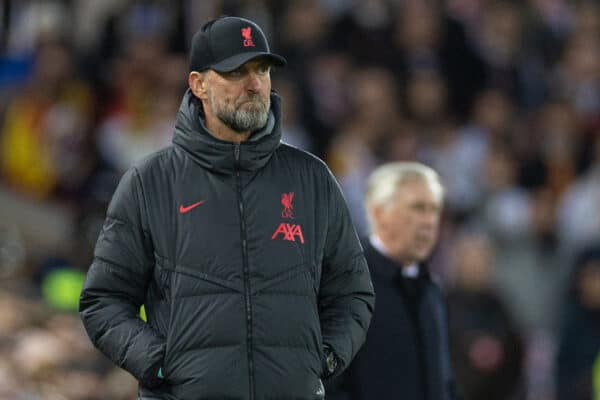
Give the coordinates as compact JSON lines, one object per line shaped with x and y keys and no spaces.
{"x":406,"y":351}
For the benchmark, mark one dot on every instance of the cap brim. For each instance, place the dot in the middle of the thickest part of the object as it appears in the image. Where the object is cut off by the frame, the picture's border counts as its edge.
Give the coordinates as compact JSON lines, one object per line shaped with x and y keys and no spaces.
{"x":234,"y":62}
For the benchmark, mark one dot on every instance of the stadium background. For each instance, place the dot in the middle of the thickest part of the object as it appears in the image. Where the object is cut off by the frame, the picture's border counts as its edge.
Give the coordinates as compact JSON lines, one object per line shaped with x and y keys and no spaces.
{"x":501,"y":97}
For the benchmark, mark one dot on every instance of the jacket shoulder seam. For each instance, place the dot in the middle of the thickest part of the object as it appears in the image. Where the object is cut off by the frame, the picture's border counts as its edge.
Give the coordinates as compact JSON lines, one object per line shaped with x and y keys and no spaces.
{"x":150,"y":159}
{"x":311,"y":158}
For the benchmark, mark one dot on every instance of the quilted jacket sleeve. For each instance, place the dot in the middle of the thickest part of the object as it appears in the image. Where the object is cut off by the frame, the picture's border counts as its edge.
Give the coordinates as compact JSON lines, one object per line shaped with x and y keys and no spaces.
{"x":116,"y":286}
{"x":346,"y":295}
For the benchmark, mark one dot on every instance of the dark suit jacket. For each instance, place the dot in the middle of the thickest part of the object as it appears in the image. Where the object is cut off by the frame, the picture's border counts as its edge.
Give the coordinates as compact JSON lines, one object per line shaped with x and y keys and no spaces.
{"x":406,"y":353}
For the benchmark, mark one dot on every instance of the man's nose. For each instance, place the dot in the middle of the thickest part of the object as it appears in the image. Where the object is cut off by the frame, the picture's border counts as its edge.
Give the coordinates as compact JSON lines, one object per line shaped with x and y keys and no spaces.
{"x":253,"y":82}
{"x":430,"y":218}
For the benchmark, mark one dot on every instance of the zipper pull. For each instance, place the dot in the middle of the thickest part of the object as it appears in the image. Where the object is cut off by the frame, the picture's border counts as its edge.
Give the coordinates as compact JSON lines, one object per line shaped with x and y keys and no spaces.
{"x":236,"y":151}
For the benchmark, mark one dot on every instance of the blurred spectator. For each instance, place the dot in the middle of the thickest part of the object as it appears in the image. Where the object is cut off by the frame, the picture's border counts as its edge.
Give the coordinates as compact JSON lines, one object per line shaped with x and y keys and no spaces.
{"x":500,"y":45}
{"x":578,"y":217}
{"x":31,"y":20}
{"x":327,"y":96}
{"x":580,"y":329}
{"x":486,"y":349}
{"x":460,"y":153}
{"x":527,"y":275}
{"x":507,"y":209}
{"x":303,"y":33}
{"x":577,"y":74}
{"x":426,"y":103}
{"x":293,"y":130}
{"x":424,"y":38}
{"x":553,"y":164}
{"x":45,"y":133}
{"x":139,"y":117}
{"x":365,"y":30}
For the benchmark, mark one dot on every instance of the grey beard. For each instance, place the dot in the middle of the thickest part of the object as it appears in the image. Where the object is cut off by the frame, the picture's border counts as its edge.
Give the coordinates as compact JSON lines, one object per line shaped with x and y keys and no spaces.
{"x":242,"y":121}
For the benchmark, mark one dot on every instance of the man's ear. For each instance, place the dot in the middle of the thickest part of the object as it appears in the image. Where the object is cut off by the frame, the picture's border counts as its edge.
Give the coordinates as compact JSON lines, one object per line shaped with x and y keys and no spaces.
{"x":197,"y":83}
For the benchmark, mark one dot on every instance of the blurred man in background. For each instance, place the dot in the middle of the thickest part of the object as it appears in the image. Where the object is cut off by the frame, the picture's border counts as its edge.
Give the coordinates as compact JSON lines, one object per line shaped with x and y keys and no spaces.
{"x":406,"y":353}
{"x":240,"y":247}
{"x":485,"y":346}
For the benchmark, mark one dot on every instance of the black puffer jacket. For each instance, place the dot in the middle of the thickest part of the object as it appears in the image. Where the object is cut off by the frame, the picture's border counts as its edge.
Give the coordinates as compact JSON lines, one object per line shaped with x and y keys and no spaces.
{"x":247,"y":263}
{"x":406,"y":353}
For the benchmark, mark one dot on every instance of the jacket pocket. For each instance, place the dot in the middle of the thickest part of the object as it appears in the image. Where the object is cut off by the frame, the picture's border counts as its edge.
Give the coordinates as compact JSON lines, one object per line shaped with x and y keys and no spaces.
{"x":163,"y":307}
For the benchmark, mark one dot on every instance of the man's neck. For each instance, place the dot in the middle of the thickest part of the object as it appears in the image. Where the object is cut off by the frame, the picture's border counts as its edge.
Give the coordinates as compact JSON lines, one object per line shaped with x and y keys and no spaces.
{"x":380,"y":246}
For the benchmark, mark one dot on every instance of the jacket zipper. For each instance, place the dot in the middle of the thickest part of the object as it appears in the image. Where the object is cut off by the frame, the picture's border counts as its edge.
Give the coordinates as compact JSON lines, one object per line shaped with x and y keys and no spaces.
{"x":247,"y":297}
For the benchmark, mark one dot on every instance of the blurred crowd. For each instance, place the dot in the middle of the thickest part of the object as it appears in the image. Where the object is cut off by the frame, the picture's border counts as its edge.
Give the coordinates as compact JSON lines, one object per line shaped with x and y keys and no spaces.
{"x":502,"y":98}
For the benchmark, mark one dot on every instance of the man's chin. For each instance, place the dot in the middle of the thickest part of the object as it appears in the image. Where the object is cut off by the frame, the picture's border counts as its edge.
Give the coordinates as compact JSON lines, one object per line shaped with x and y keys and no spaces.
{"x":244,"y":122}
{"x":256,"y":112}
{"x":423,"y":253}
{"x":243,"y":129}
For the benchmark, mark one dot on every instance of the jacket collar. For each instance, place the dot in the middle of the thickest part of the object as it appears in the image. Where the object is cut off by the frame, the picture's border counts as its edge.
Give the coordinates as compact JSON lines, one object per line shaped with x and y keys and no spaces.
{"x":217,"y":155}
{"x":383,"y":265}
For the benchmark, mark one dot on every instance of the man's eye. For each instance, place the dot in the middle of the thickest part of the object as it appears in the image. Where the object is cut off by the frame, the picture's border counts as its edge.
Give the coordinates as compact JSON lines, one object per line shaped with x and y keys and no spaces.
{"x":263,"y":69}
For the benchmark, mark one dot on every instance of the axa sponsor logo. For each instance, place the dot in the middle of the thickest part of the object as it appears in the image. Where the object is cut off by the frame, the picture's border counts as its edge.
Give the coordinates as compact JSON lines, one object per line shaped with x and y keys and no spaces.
{"x":289,"y":231}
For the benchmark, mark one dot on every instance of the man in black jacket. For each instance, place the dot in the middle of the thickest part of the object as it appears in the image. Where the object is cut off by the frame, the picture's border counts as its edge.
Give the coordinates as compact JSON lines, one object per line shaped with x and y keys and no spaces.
{"x":406,"y":353}
{"x":240,"y":247}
